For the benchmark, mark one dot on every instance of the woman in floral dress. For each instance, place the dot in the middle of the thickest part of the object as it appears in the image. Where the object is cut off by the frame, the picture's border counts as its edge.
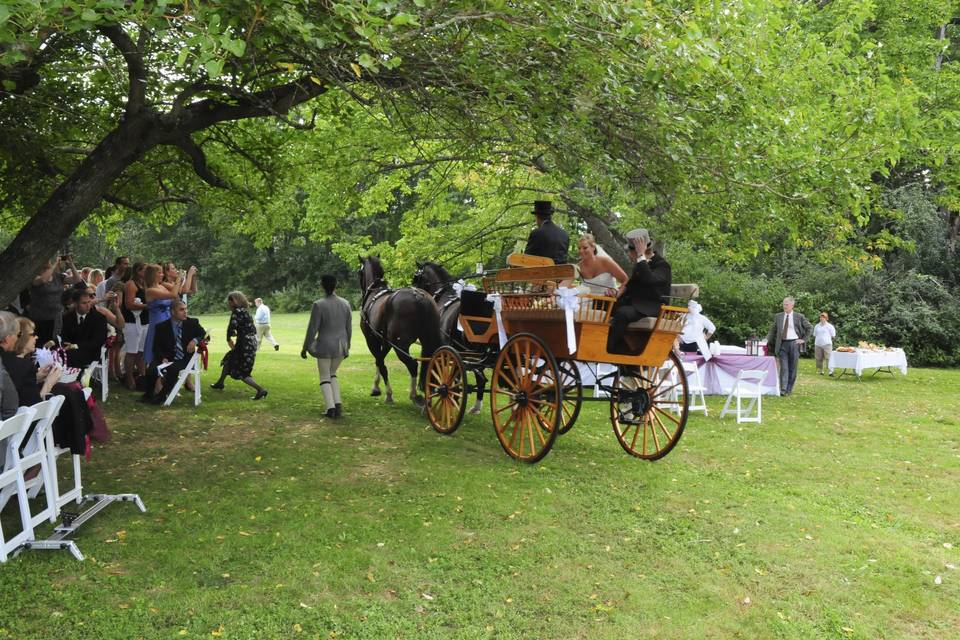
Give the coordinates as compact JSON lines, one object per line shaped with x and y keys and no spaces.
{"x":242,"y":338}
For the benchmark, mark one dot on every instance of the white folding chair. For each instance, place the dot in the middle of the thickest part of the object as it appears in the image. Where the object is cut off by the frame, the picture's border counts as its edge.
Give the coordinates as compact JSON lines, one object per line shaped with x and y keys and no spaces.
{"x":75,"y":494}
{"x":698,"y":401}
{"x":747,"y":386}
{"x":99,"y":369}
{"x":193,"y":368}
{"x":667,"y":377}
{"x":12,"y":483}
{"x":35,"y":453}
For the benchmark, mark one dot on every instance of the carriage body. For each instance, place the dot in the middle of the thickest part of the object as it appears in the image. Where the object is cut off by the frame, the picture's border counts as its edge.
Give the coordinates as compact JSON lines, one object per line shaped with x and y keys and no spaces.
{"x":536,"y":392}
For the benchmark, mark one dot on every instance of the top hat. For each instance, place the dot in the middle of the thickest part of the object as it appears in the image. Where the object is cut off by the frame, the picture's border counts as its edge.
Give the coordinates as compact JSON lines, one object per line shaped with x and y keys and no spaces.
{"x":542,"y":208}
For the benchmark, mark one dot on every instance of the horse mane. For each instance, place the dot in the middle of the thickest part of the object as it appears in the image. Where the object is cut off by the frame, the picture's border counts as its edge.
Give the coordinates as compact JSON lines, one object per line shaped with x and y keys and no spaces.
{"x":440,"y":271}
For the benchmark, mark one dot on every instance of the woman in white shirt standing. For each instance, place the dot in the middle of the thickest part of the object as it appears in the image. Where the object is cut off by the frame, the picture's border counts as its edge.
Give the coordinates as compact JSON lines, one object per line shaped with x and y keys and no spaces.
{"x":823,"y":334}
{"x":696,"y":331}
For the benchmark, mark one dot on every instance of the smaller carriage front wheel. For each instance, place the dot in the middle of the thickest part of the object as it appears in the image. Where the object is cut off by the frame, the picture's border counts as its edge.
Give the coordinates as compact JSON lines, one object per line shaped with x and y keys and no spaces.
{"x":572,"y":389}
{"x":446,"y":390}
{"x":648,"y":408}
{"x":525,"y":398}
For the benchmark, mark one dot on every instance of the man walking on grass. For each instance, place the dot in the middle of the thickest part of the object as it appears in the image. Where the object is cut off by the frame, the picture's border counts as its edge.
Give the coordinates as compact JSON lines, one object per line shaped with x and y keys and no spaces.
{"x":262,"y":320}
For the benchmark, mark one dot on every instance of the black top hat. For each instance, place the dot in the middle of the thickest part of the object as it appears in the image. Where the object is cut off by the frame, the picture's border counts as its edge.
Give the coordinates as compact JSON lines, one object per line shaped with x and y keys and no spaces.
{"x":542,"y":208}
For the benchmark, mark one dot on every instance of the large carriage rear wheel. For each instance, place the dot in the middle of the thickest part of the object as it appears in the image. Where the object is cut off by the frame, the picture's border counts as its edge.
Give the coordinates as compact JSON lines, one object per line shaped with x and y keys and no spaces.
{"x":572,"y":394}
{"x":446,"y":390}
{"x":525,"y":397}
{"x":648,"y":408}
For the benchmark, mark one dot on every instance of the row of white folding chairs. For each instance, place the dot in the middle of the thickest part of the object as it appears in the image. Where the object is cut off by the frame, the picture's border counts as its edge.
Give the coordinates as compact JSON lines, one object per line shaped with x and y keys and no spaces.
{"x":39,"y":449}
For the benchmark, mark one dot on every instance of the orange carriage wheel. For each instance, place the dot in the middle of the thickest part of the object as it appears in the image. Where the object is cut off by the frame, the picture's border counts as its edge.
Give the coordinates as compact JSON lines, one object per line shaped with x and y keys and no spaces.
{"x":446,"y":390}
{"x":525,"y":397}
{"x":648,"y":408}
{"x":572,"y":394}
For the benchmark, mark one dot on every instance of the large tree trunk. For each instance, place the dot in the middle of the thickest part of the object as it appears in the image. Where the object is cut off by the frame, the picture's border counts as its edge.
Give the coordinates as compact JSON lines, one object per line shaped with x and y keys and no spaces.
{"x":610,"y":239}
{"x":70,"y":204}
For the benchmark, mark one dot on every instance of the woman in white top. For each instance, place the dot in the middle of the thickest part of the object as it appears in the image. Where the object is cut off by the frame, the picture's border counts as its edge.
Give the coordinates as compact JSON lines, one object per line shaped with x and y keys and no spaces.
{"x":598,"y":270}
{"x":823,"y":335}
{"x":696,"y":331}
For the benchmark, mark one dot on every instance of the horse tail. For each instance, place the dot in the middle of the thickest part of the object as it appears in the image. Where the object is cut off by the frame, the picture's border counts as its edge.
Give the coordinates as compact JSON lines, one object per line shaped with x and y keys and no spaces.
{"x":428,"y":314}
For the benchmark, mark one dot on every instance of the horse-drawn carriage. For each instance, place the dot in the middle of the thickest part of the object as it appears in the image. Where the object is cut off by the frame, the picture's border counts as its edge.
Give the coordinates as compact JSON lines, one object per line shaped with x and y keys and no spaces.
{"x":536,"y":390}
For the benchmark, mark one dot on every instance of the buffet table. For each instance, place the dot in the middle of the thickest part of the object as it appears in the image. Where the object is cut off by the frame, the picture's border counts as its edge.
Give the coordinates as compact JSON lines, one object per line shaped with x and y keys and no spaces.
{"x":860,"y":359}
{"x":720,"y":372}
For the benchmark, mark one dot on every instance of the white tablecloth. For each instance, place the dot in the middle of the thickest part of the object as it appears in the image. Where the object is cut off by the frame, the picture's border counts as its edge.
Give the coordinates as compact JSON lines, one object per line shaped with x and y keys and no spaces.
{"x":719,"y":374}
{"x":862,"y":359}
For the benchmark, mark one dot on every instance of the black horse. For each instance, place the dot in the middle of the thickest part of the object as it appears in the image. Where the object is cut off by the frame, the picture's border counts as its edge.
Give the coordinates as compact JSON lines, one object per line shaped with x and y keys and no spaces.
{"x":395,"y":319}
{"x":435,"y":280}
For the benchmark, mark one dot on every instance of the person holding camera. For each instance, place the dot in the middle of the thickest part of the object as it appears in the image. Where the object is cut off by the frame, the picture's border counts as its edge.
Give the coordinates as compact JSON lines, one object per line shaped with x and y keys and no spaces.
{"x":648,"y":286}
{"x":46,"y":292}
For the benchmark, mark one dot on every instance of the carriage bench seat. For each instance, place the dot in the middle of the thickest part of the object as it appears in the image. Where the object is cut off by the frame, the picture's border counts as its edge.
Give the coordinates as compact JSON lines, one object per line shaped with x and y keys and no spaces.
{"x":643,"y":324}
{"x":685,"y":291}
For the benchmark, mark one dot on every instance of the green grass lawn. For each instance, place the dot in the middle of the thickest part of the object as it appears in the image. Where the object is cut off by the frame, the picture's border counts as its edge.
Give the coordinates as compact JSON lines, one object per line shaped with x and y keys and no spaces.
{"x":835,"y":518}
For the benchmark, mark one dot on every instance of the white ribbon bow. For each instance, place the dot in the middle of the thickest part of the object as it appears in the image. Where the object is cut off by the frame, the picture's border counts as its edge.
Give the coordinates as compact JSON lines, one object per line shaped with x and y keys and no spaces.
{"x":568,"y":301}
{"x":497,"y":308}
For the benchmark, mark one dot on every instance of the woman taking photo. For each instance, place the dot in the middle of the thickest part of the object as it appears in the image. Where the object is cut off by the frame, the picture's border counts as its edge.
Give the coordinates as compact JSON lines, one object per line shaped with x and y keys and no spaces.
{"x":238,"y":363}
{"x":159,"y":296}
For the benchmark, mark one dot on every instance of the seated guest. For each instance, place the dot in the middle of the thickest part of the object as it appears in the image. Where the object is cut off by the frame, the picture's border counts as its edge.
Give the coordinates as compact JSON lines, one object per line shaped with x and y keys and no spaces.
{"x":84,"y":331}
{"x":9,"y":400}
{"x":696,"y":331}
{"x":648,"y":286}
{"x":175,"y":341}
{"x":32,"y":385}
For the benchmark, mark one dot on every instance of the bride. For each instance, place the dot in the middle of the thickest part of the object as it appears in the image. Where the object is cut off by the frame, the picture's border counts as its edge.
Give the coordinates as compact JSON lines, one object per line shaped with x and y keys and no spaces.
{"x":598,"y":270}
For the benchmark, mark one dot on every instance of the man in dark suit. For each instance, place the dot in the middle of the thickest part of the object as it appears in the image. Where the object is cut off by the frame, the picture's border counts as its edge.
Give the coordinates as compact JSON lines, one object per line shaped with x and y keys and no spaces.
{"x":175,"y":342}
{"x":647,"y":288}
{"x":84,"y":330}
{"x":787,"y":335}
{"x":547,"y":240}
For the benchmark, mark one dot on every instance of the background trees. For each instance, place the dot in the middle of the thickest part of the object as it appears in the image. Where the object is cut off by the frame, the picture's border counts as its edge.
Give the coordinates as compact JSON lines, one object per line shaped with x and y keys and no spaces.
{"x":750,"y":132}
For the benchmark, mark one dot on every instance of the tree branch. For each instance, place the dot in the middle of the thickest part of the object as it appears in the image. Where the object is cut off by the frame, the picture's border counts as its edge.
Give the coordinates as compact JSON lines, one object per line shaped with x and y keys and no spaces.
{"x":199,"y":162}
{"x":150,"y":204}
{"x":136,"y":69}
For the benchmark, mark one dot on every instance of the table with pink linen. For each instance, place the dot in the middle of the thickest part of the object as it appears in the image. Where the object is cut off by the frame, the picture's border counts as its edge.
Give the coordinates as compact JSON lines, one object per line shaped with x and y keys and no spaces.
{"x":720,"y":372}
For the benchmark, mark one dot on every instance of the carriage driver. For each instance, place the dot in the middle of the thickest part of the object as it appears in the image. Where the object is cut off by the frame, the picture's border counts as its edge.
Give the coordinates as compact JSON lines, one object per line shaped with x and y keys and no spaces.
{"x":547,"y":240}
{"x":648,"y":286}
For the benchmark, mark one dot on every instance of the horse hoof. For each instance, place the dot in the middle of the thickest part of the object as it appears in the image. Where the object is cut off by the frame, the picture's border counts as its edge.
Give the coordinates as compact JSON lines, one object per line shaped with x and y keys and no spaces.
{"x":389,"y":400}
{"x":375,"y":392}
{"x":474,"y":411}
{"x":418,"y":401}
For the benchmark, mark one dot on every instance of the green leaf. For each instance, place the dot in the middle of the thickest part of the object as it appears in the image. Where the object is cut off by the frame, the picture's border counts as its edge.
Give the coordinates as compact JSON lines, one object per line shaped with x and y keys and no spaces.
{"x":367,"y":62}
{"x":213,"y":67}
{"x":89,"y":15}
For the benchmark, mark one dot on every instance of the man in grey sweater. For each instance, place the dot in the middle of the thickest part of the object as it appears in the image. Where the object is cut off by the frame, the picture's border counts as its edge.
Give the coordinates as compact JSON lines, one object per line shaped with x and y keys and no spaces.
{"x":328,"y":340}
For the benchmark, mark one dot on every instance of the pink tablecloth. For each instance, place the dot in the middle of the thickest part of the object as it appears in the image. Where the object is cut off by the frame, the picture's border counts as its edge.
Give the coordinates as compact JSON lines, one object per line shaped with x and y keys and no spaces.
{"x":718,"y":374}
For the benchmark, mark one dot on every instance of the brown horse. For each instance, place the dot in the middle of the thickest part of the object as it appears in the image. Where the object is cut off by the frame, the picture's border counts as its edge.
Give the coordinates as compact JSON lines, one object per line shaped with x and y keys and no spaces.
{"x":395,"y":319}
{"x":437,"y":281}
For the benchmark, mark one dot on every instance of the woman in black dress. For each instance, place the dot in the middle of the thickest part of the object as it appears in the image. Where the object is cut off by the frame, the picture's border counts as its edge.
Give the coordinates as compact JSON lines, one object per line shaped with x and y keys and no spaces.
{"x":238,"y":363}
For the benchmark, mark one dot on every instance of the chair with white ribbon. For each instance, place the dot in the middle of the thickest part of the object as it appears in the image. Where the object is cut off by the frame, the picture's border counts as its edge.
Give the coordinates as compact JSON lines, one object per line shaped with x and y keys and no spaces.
{"x":747,"y":386}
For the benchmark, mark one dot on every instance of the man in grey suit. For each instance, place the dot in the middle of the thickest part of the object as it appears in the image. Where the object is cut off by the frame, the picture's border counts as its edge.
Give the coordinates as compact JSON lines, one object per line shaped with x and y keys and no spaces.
{"x":328,"y":340}
{"x":788,"y":334}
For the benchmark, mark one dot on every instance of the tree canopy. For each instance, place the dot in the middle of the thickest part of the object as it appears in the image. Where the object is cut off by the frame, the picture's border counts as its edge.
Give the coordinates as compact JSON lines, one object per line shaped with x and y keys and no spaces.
{"x":400,"y":125}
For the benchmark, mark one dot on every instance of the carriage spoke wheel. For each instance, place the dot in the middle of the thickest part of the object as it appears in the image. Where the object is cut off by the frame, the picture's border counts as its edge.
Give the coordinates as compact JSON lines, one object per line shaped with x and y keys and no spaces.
{"x":525,"y":397}
{"x":572,"y":394}
{"x":446,"y":390}
{"x":648,"y":408}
